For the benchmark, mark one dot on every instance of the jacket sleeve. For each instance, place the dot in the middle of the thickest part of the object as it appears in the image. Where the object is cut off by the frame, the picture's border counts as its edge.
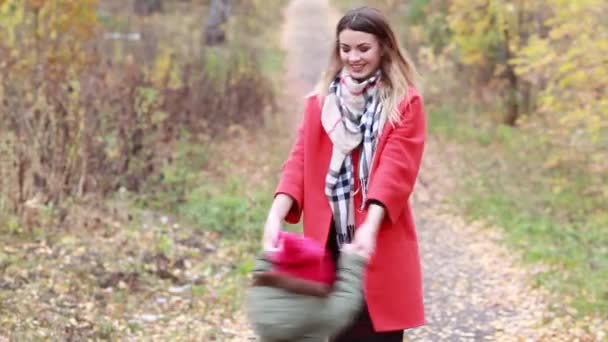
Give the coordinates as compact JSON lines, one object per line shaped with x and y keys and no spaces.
{"x":346,"y":300}
{"x":393,"y":180}
{"x":291,"y":182}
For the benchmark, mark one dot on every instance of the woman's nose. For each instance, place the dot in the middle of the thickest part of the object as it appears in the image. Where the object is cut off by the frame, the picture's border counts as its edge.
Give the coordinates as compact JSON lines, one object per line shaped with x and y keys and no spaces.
{"x":353,"y":57}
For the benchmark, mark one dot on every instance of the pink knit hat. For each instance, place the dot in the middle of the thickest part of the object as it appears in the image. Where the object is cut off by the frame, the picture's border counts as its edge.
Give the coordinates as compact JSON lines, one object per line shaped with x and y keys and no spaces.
{"x":303,"y":258}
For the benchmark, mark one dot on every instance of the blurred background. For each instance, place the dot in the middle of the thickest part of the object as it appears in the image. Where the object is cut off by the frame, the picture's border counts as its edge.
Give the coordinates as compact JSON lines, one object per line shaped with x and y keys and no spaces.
{"x":141,"y":140}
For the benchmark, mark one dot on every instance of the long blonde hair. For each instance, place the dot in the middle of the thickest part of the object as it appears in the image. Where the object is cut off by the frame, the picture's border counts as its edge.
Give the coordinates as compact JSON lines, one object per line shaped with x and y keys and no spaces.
{"x":398,"y":71}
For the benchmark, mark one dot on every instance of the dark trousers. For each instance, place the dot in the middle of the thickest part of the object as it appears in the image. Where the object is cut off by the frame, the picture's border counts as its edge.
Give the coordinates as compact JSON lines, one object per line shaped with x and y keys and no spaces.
{"x":362,"y":329}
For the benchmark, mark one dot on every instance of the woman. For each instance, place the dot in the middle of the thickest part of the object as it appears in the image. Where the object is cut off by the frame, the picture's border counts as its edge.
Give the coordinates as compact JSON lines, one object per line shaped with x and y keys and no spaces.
{"x":353,"y":168}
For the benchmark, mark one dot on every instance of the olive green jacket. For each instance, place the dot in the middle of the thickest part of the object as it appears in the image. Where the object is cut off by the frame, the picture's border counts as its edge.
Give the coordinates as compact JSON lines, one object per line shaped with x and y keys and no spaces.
{"x":278,"y":315}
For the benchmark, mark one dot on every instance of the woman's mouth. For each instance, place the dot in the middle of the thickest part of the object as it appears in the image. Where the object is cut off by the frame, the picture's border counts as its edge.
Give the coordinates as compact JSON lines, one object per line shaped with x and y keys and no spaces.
{"x":357,"y":67}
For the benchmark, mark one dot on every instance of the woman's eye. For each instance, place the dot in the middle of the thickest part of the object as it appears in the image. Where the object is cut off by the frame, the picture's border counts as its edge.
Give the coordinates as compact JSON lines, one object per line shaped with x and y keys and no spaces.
{"x":345,"y":49}
{"x":365,"y":49}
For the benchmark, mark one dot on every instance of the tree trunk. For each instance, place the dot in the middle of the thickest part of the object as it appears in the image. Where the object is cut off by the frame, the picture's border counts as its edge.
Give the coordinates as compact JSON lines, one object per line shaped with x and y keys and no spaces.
{"x":147,"y":7}
{"x":512,"y":106}
{"x":215,"y":32}
{"x":512,"y":99}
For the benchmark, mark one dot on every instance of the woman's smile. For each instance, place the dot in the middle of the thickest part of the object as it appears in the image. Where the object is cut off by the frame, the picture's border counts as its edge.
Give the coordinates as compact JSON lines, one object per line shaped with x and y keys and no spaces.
{"x":357,"y":67}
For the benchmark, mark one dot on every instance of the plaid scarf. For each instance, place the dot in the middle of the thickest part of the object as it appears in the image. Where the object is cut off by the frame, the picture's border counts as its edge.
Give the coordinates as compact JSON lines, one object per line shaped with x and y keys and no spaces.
{"x":351,"y":115}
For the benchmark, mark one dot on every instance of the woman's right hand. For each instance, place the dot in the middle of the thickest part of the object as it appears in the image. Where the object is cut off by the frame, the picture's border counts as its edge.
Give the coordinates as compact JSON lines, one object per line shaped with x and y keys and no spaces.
{"x":278,"y":211}
{"x":271,"y":232}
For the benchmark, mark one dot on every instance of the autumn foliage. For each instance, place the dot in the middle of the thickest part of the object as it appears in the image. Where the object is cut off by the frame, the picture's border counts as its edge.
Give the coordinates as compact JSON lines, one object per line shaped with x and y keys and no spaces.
{"x":82,"y":116}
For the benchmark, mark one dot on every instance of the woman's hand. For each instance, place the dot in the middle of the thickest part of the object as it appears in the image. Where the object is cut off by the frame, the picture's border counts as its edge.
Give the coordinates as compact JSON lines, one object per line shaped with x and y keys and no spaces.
{"x":280,"y":206}
{"x":366,"y":234}
{"x":352,"y":249}
{"x":271,"y":233}
{"x":365,"y":238}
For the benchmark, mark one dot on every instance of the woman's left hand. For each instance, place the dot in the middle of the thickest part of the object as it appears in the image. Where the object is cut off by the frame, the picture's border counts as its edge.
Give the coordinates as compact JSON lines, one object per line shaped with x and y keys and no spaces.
{"x":365,"y":238}
{"x":365,"y":235}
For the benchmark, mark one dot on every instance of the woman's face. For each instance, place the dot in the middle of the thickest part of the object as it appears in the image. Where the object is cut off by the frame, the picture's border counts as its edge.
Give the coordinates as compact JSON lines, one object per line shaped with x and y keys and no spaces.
{"x":360,"y":53}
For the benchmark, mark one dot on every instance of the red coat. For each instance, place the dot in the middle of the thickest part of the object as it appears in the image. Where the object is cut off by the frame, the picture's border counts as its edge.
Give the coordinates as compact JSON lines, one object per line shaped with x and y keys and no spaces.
{"x":393,"y":287}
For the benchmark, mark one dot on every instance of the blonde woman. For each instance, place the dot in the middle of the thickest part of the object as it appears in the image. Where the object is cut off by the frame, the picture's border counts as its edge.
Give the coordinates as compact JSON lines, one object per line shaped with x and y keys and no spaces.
{"x":353,"y":168}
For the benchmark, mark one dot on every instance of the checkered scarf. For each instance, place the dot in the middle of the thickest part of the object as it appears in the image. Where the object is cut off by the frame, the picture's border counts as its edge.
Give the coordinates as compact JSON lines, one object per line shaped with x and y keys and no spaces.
{"x":351,"y":115}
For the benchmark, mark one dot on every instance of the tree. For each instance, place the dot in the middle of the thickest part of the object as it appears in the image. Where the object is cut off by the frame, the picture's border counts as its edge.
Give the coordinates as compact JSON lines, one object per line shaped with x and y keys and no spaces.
{"x":219,"y":12}
{"x":569,"y":65}
{"x":488,"y":34}
{"x":147,"y":7}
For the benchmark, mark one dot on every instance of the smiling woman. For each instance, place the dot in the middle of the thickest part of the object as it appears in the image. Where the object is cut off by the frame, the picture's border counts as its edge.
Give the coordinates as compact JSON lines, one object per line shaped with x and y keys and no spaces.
{"x":353,"y":169}
{"x":360,"y":53}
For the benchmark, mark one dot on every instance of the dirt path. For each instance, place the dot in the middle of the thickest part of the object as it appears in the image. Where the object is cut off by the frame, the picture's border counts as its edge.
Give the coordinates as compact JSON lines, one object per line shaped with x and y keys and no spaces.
{"x":474,"y":288}
{"x":307,"y":35}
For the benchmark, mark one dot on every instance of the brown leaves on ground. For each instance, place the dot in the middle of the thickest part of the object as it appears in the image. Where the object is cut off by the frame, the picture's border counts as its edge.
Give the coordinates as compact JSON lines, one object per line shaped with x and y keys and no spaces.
{"x":476,"y":289}
{"x":152,"y":278}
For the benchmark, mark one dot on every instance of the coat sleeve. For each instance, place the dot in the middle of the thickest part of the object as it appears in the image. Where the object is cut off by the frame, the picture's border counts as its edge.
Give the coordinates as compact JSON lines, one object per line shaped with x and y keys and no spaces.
{"x":393,"y":180}
{"x":291,"y":182}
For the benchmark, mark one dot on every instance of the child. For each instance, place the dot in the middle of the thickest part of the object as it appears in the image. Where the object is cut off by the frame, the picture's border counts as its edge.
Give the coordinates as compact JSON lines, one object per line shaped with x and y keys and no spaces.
{"x":294,"y":300}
